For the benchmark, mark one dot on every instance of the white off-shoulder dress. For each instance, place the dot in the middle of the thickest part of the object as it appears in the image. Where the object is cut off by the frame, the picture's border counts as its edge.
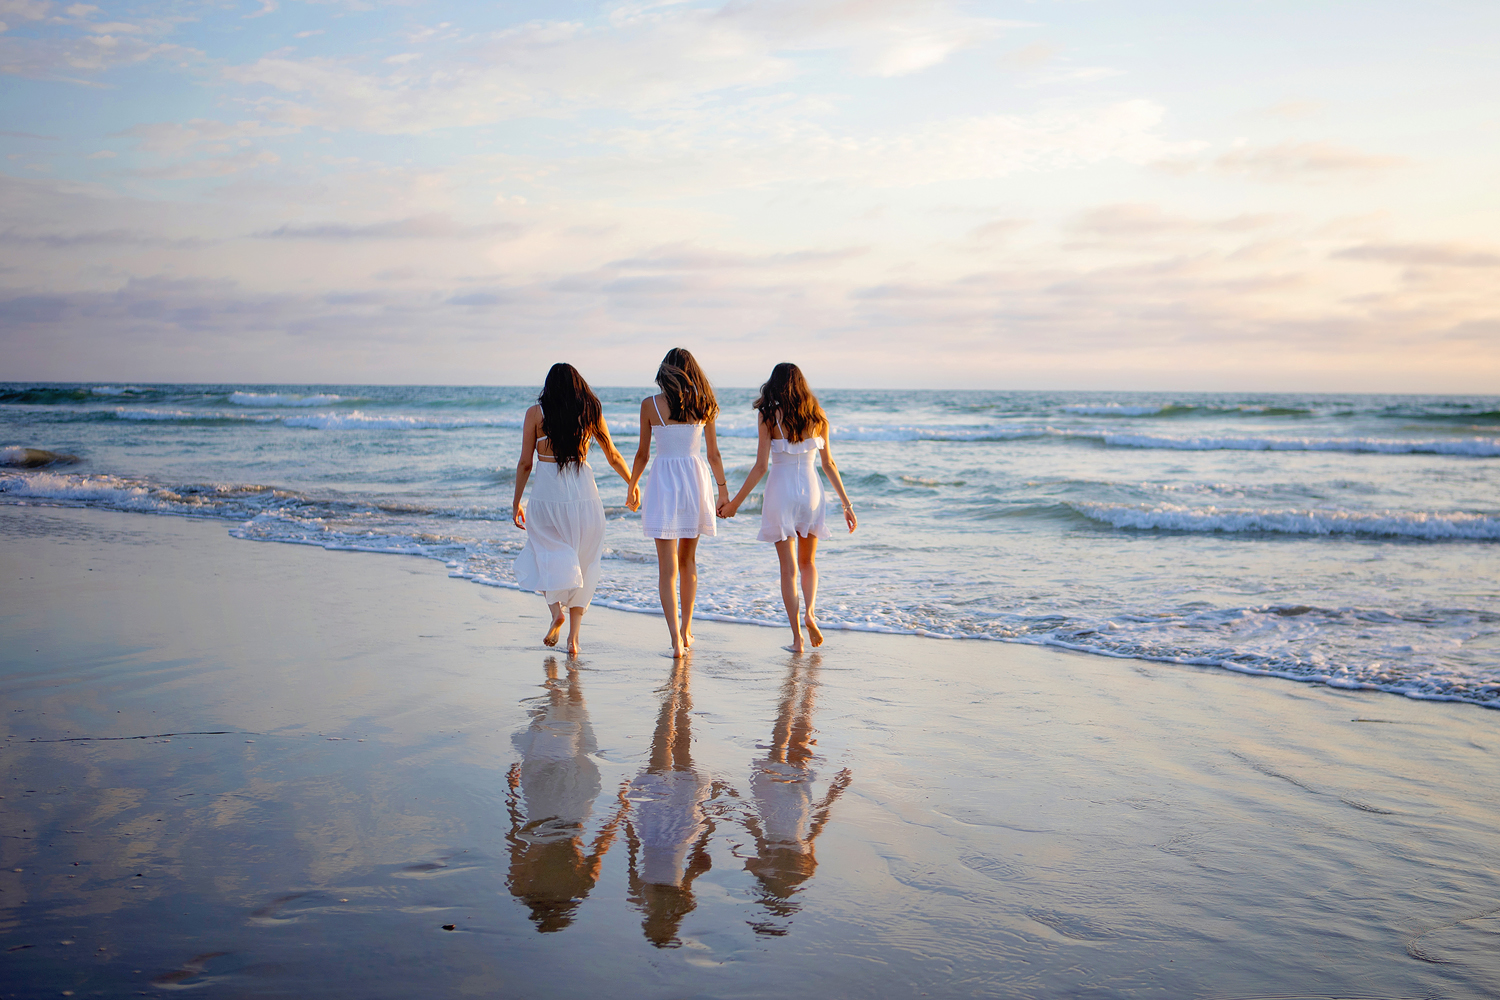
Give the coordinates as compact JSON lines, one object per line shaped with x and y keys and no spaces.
{"x":564,"y":535}
{"x":678,"y":500}
{"x":794,"y":502}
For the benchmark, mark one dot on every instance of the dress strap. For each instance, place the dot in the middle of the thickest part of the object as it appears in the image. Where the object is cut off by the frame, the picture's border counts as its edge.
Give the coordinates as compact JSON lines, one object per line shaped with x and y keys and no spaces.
{"x":658,"y":412}
{"x":781,"y":428}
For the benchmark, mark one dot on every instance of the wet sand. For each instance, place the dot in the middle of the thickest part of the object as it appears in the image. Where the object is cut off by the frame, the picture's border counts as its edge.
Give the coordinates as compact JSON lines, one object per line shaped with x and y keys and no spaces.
{"x":267,"y":770}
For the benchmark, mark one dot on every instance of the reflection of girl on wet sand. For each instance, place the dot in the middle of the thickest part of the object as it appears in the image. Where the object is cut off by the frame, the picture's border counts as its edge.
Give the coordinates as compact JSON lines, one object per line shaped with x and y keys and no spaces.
{"x":668,"y":829}
{"x":551,"y":868}
{"x":785,"y":820}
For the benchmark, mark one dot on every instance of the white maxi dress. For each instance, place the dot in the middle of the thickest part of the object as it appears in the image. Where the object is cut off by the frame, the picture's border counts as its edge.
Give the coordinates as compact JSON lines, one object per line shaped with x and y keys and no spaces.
{"x":678,"y":501}
{"x":564,"y":535}
{"x":794,"y":503}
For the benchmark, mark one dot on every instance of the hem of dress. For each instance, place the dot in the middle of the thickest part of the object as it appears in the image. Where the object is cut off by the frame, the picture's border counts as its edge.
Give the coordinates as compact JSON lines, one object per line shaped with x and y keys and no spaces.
{"x":673,"y":537}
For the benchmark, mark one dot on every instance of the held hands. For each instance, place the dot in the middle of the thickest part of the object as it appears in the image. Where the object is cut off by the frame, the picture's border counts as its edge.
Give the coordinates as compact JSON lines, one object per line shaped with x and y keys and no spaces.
{"x":727,"y":509}
{"x":633,"y":497}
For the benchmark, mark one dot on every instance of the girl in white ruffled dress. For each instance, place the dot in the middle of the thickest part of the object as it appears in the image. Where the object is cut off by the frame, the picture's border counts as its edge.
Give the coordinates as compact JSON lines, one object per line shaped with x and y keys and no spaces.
{"x":678,"y":507}
{"x":564,"y":523}
{"x":793,"y":433}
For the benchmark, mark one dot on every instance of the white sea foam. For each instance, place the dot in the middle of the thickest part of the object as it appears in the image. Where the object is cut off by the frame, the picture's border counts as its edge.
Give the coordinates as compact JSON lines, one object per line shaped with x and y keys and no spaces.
{"x":114,"y":390}
{"x":357,"y":420}
{"x":114,"y":491}
{"x":125,"y":413}
{"x":12,"y":455}
{"x":1477,"y":447}
{"x":1402,"y":524}
{"x":278,"y":399}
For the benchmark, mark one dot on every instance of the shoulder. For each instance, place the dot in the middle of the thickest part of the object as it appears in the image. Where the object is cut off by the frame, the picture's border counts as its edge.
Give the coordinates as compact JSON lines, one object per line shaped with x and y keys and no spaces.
{"x":534,"y":413}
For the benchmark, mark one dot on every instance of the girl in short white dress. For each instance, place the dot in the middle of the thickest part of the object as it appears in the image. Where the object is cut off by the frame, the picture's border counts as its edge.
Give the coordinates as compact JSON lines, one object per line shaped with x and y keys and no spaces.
{"x":564,"y":524}
{"x":678,"y":507}
{"x":793,"y":431}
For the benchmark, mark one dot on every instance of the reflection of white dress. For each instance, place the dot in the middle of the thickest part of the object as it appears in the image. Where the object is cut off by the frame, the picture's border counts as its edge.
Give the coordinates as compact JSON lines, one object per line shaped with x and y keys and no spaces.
{"x":678,"y":500}
{"x":564,"y":535}
{"x":795,"y":503}
{"x":783,"y":800}
{"x":667,"y":816}
{"x":559,"y":779}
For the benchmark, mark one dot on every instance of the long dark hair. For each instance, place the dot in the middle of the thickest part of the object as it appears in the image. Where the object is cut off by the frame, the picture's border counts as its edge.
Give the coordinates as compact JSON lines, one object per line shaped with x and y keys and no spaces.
{"x":690,"y":398}
{"x":786,"y":390}
{"x":570,"y":414}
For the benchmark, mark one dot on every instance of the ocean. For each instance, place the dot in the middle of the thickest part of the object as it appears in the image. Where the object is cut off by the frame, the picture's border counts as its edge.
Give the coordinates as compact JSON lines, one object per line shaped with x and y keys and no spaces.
{"x":1349,"y":540}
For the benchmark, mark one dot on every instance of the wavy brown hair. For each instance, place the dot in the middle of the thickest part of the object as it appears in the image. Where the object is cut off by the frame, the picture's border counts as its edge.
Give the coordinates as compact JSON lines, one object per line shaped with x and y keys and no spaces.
{"x":786,"y":390}
{"x":690,"y":398}
{"x":571,"y":414}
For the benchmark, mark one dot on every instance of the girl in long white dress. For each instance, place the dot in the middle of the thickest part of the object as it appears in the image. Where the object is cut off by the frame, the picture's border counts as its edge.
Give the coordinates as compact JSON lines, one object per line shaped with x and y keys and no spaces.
{"x":793,"y":432}
{"x":564,"y":522}
{"x":678,"y":507}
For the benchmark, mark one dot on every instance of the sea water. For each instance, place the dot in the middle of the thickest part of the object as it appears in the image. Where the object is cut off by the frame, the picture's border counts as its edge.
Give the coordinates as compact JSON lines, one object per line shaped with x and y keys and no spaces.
{"x":1351,"y":540}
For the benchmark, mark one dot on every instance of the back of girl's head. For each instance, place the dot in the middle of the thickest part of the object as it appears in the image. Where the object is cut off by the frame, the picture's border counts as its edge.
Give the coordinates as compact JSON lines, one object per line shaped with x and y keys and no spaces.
{"x":787,"y":391}
{"x":570,"y":413}
{"x":689,"y":396}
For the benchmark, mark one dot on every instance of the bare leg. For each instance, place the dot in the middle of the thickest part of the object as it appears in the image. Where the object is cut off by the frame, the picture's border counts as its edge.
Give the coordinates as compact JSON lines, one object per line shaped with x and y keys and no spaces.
{"x":575,"y":629}
{"x":666,"y":585}
{"x":807,"y":550}
{"x":687,"y":581}
{"x":550,"y":639}
{"x":789,"y":590}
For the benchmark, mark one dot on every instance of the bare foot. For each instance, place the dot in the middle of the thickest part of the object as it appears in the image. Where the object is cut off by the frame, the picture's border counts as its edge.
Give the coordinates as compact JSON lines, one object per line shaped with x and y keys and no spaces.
{"x":797,"y":645}
{"x":677,"y":653}
{"x":550,"y":639}
{"x":687,"y":640}
{"x":813,"y":632}
{"x":573,"y":646}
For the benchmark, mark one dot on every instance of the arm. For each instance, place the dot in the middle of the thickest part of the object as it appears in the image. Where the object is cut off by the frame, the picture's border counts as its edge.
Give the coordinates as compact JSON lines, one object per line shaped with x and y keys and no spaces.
{"x":613,"y":457}
{"x":762,"y":459}
{"x":832,"y":471}
{"x":642,"y":456}
{"x":523,"y":466}
{"x":715,"y":462}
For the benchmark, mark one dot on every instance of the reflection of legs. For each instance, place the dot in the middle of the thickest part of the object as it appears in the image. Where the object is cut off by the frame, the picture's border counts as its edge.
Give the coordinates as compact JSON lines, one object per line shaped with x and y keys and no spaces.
{"x":789,"y":598}
{"x":550,"y":638}
{"x":666,"y":585}
{"x":575,"y":629}
{"x":687,"y":573}
{"x":807,"y":550}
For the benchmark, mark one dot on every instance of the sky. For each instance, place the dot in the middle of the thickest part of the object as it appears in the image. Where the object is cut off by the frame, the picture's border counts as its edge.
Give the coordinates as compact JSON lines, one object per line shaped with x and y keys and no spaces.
{"x":1277,"y":195}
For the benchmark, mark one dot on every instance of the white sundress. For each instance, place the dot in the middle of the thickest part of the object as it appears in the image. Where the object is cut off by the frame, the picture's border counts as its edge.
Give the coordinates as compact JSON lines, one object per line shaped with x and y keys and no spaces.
{"x":564,"y":535}
{"x":678,"y":501}
{"x":794,"y":502}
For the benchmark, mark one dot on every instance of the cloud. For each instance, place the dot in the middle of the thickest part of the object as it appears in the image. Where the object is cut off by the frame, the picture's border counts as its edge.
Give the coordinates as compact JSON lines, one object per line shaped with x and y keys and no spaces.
{"x":213,"y":166}
{"x":1296,"y":161}
{"x":644,"y":60}
{"x":686,"y":257}
{"x":104,"y":237}
{"x":427,"y":227}
{"x":1421,"y":254}
{"x":174,"y":137}
{"x":1137,"y":220}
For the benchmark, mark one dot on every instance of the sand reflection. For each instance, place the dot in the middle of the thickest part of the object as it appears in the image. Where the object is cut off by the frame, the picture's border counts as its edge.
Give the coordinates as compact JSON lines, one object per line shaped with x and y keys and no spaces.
{"x":784,"y":819}
{"x":669,"y":829}
{"x":552,"y":793}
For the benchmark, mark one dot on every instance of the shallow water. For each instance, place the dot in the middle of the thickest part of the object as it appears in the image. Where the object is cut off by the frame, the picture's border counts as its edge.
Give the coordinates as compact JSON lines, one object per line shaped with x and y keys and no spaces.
{"x":1345,"y":539}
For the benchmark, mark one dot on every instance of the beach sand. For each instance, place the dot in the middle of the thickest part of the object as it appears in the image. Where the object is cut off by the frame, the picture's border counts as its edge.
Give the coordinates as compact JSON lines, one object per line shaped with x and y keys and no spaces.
{"x":270,"y":770}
